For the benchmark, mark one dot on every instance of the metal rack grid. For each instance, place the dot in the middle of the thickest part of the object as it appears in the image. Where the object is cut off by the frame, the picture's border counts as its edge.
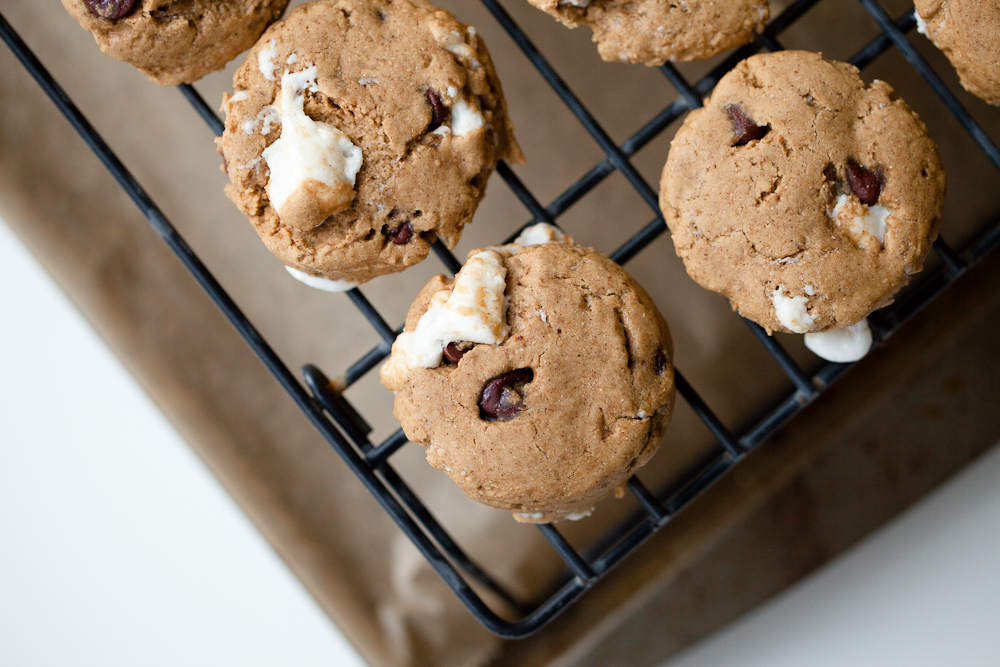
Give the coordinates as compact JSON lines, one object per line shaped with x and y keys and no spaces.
{"x":348,"y":432}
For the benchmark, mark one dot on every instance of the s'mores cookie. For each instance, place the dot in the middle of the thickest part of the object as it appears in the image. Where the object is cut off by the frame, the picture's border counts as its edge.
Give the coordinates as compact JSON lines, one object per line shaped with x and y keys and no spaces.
{"x":175,"y":41}
{"x":539,"y":378}
{"x":968,"y":32}
{"x":804,"y":197}
{"x":651,"y":32}
{"x":360,"y":131}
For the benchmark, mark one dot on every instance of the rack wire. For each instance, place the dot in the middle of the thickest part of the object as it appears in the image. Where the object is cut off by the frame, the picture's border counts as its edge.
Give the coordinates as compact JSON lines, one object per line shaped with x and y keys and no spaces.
{"x":337,"y":420}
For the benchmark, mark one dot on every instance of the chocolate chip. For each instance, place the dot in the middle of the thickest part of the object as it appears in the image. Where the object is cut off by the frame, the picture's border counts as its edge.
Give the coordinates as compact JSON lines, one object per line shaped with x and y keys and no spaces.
{"x":661,"y":361}
{"x":865,"y":183}
{"x":452,"y":353}
{"x":501,"y":399}
{"x":400,"y":235}
{"x":112,"y":10}
{"x":746,"y":129}
{"x":438,"y":109}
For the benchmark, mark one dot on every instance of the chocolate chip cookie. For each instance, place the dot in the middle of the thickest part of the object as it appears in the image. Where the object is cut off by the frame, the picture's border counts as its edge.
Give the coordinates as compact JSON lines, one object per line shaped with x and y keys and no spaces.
{"x":968,"y":32}
{"x":175,"y":41}
{"x":799,"y":194}
{"x":539,"y":378}
{"x":652,"y":32}
{"x":361,"y":130}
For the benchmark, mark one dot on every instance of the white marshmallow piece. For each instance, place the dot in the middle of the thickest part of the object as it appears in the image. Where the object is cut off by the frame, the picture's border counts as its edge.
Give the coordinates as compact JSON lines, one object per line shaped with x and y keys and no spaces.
{"x":791,"y":311}
{"x":465,"y":118}
{"x":307,"y":150}
{"x":537,"y":234}
{"x":265,"y":60}
{"x":862,"y":225}
{"x":455,"y":45}
{"x":324,"y":284}
{"x":841,"y":345}
{"x":475,"y":310}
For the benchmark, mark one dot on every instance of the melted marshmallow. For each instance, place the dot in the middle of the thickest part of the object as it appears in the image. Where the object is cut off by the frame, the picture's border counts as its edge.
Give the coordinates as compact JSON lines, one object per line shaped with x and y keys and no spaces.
{"x":475,"y":310}
{"x":862,"y":222}
{"x":535,"y":235}
{"x":921,"y":24}
{"x":841,"y":345}
{"x":791,"y":311}
{"x":324,"y":284}
{"x":455,"y":45}
{"x":465,"y":118}
{"x":570,"y":516}
{"x":307,"y":150}
{"x":265,"y":60}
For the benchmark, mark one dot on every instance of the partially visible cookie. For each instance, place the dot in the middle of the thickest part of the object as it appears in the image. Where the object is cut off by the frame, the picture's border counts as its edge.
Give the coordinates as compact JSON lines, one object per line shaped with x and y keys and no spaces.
{"x":968,"y":32}
{"x":800,"y":195}
{"x":175,"y":41}
{"x":651,"y":32}
{"x":539,"y":378}
{"x":361,"y":130}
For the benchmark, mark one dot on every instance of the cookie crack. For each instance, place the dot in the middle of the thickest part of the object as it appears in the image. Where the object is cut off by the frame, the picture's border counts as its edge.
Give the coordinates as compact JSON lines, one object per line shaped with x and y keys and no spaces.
{"x":783,"y":259}
{"x":534,"y":442}
{"x":626,"y":338}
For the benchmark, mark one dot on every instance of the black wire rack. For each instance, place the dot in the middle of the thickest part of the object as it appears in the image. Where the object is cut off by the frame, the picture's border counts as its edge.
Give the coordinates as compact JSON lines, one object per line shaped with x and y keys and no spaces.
{"x":348,"y":432}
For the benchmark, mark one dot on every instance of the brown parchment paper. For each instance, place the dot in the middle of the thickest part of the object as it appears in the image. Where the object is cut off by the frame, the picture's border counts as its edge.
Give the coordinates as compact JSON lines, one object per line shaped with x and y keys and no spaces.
{"x":352,"y":558}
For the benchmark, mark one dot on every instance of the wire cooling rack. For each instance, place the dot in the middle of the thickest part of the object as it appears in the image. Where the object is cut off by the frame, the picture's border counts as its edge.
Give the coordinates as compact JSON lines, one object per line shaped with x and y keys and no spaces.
{"x":347,"y":431}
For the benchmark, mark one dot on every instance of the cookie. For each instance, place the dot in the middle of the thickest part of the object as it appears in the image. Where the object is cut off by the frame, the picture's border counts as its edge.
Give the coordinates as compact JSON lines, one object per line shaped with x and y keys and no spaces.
{"x":175,"y":41}
{"x":360,"y":131}
{"x":652,"y":32}
{"x":539,"y":378}
{"x":799,"y":194}
{"x":968,"y":32}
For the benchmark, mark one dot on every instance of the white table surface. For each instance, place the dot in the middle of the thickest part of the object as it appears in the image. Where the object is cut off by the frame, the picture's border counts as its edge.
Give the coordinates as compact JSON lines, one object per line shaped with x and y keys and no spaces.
{"x":119,"y":548}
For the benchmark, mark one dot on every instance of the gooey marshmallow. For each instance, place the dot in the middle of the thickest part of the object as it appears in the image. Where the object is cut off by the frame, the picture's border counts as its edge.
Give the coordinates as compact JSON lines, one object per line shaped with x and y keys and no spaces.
{"x":313,"y":165}
{"x":324,"y":284}
{"x":863,"y":223}
{"x":841,"y":345}
{"x":791,"y":310}
{"x":536,"y":234}
{"x":475,"y":310}
{"x":464,"y":118}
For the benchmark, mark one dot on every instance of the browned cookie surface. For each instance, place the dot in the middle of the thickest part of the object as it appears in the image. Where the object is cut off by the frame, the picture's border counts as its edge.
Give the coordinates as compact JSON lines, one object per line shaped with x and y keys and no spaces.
{"x":801,"y":195}
{"x":565,"y":408}
{"x":968,"y":32}
{"x":652,"y":32}
{"x":175,"y":41}
{"x":411,"y":89}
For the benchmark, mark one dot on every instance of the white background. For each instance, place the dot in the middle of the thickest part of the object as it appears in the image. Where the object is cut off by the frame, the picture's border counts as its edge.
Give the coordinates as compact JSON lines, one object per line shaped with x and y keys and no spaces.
{"x":118,"y":548}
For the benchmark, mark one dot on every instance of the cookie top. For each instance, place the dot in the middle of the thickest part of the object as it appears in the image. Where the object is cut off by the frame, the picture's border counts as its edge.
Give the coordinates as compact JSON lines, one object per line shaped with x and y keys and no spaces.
{"x":652,"y":32}
{"x":800,"y":195}
{"x":564,"y":393}
{"x":359,"y":130}
{"x":175,"y":41}
{"x":968,"y":32}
